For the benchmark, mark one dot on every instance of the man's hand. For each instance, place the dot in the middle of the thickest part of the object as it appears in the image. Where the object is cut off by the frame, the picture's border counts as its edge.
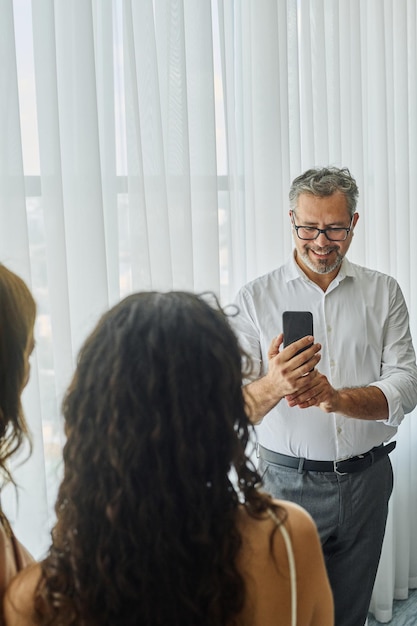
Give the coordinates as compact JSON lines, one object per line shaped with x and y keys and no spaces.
{"x":320,"y":393}
{"x":366,"y":403}
{"x":287,"y":374}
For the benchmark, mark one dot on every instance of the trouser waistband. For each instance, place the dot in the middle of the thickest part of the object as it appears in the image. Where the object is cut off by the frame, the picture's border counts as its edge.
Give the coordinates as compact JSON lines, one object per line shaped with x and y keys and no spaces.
{"x":347,"y":466}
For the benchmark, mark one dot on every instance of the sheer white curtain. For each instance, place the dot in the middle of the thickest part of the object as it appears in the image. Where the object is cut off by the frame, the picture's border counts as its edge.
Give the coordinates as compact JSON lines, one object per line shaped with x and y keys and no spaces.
{"x":312,"y":83}
{"x":150,"y":145}
{"x":108,"y":184}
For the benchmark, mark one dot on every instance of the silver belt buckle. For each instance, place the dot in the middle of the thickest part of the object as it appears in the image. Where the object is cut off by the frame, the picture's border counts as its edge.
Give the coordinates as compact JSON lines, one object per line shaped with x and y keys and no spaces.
{"x":336,"y":471}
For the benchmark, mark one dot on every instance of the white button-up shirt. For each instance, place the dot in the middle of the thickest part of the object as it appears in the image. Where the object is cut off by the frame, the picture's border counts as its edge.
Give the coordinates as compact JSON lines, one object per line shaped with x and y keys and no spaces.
{"x":361,"y":321}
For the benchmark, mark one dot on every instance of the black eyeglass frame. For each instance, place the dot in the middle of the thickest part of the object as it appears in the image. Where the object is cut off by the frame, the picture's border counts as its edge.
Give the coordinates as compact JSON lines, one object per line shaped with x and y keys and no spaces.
{"x":321,"y":230}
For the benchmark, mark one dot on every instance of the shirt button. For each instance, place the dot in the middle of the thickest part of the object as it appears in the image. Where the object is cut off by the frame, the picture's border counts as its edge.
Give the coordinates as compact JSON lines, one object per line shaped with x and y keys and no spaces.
{"x":338,"y":430}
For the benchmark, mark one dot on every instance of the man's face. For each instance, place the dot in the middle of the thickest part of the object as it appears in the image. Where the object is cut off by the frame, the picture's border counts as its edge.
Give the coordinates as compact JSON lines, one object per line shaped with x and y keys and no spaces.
{"x":322,"y":256}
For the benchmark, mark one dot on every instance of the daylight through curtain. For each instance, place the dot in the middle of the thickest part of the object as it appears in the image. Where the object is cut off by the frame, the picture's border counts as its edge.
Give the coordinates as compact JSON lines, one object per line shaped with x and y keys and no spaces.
{"x":151,"y":144}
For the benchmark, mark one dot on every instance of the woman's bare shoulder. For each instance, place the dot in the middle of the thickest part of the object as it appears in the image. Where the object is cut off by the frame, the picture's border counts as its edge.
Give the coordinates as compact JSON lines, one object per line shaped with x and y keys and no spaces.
{"x":258,"y":530}
{"x":265,"y":561}
{"x":315,"y":597}
{"x":18,"y":604}
{"x":302,"y":531}
{"x":296,"y":517}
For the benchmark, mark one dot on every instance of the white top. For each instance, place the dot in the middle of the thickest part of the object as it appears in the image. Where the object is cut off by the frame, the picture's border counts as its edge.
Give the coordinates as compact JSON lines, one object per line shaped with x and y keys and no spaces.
{"x":361,"y":321}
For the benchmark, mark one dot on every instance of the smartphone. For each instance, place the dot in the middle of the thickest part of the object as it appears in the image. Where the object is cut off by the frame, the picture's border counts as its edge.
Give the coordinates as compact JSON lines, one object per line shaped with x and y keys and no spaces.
{"x":296,"y":324}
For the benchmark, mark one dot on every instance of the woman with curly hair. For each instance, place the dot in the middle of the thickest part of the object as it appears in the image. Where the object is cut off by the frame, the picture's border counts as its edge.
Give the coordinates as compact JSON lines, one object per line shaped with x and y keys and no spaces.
{"x":17,"y":319}
{"x":160,"y":520}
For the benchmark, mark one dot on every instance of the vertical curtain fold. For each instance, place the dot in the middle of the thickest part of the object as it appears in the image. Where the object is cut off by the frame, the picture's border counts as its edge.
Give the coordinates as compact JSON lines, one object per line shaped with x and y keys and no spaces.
{"x":202,"y":132}
{"x":81,"y":166}
{"x":14,"y":232}
{"x":138,"y":231}
{"x":146,"y":85}
{"x":43,"y":17}
{"x":171,"y":47}
{"x":104,"y":64}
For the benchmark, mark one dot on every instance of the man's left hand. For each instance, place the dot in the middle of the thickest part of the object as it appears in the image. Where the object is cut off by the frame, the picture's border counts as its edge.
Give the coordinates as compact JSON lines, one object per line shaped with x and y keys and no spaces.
{"x":320,"y":394}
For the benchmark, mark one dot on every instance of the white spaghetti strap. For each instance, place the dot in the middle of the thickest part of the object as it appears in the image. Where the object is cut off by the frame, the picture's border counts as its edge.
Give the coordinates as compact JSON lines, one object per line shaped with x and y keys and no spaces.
{"x":293,"y":580}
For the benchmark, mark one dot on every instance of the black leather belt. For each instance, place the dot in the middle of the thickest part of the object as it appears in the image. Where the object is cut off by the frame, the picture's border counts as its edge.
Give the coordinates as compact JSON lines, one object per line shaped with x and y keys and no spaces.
{"x":347,"y":466}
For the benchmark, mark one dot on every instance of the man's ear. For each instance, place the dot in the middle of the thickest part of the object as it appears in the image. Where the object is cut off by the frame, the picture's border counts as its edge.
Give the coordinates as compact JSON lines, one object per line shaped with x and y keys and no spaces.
{"x":355,"y":219}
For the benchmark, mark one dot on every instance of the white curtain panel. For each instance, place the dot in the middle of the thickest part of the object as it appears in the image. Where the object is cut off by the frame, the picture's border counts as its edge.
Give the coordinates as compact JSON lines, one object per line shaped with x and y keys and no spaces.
{"x":151,"y":145}
{"x":330,"y":82}
{"x":14,"y":252}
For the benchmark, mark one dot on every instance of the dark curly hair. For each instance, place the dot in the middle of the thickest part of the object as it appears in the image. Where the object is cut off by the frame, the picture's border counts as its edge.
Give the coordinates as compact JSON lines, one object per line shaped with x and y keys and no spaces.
{"x":146,"y":514}
{"x":17,"y":319}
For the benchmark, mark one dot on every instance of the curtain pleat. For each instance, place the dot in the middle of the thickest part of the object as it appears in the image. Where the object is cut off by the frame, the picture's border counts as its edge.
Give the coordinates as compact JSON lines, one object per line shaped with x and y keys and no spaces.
{"x":105,"y":81}
{"x":202,"y":132}
{"x":80,"y":166}
{"x":14,"y":231}
{"x":52,"y":189}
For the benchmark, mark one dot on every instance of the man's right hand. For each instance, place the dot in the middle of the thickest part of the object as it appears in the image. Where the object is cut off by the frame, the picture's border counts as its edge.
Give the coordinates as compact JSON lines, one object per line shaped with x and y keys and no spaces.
{"x":289,"y":370}
{"x":288,"y":373}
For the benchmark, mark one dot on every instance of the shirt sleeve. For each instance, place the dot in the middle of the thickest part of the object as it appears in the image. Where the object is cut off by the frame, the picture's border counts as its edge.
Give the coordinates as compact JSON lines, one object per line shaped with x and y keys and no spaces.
{"x":398,"y":380}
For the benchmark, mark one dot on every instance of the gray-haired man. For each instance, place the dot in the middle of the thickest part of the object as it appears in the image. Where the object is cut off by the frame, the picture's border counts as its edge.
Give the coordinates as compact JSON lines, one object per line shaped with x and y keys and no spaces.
{"x":325,"y":416}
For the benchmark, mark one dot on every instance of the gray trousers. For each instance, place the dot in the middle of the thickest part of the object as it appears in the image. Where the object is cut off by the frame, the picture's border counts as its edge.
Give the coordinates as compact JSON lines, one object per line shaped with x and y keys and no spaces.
{"x":350,"y":512}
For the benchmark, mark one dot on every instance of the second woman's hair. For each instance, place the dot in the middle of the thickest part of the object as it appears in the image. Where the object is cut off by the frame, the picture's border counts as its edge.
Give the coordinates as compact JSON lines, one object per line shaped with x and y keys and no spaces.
{"x":17,"y":319}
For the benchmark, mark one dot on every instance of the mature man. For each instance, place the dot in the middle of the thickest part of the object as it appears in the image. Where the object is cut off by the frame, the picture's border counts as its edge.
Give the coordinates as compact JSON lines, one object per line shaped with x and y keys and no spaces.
{"x":322,"y":430}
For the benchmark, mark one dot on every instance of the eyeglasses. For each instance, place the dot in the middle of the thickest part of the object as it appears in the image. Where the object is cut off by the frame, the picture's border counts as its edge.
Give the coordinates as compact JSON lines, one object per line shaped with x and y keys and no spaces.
{"x":309,"y":233}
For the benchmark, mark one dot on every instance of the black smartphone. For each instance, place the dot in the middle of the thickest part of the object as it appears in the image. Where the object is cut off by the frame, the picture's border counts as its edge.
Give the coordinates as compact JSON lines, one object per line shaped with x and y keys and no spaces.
{"x":296,"y":324}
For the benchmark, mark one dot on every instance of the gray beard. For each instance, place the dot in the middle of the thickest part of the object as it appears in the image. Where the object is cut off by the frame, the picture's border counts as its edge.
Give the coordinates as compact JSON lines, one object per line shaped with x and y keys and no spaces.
{"x":324,"y":267}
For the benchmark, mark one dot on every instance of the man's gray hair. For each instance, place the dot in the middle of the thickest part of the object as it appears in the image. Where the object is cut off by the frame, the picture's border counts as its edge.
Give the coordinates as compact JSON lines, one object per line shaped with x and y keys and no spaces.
{"x":323,"y":182}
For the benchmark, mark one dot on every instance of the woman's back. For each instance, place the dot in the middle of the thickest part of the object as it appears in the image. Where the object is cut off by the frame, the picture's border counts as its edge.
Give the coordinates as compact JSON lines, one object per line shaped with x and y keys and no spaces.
{"x":265,"y":562}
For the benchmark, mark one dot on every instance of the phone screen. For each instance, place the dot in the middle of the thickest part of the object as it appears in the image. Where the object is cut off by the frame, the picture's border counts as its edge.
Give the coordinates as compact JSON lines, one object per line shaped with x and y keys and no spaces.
{"x":296,"y":324}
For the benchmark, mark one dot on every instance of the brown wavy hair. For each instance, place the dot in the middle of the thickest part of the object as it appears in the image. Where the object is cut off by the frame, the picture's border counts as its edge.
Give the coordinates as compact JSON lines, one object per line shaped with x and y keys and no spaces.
{"x":146,"y":514}
{"x":17,"y":319}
